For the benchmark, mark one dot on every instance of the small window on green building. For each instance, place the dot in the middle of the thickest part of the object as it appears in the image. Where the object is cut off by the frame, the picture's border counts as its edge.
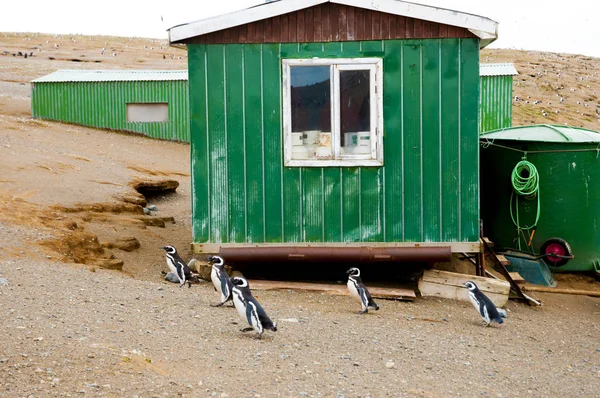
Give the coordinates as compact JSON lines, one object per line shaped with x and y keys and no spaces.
{"x":332,"y":112}
{"x":148,"y":112}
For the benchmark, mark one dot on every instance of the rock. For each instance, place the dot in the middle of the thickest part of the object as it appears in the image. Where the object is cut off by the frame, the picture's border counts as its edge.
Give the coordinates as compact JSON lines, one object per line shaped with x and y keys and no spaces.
{"x":171,"y":277}
{"x":128,"y":244}
{"x":3,"y":282}
{"x":135,"y":198}
{"x":154,"y":188}
{"x":109,"y":263}
{"x":157,"y":221}
{"x":147,"y":211}
{"x":152,"y":208}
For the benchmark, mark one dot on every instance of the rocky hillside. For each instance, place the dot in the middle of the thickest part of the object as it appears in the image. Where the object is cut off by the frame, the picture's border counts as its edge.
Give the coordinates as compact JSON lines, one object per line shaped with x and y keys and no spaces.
{"x":551,"y":88}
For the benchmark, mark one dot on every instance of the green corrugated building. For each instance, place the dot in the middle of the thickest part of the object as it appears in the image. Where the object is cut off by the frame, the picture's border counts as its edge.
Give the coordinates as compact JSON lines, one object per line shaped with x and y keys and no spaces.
{"x":495,"y":100}
{"x":153,"y":103}
{"x":347,"y":123}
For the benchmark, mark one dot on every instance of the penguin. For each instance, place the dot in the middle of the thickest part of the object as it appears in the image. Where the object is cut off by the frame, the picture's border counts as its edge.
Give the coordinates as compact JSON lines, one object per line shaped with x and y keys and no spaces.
{"x":488,"y":311}
{"x":358,"y":290}
{"x":178,"y":267}
{"x":220,"y":279}
{"x":249,"y":309}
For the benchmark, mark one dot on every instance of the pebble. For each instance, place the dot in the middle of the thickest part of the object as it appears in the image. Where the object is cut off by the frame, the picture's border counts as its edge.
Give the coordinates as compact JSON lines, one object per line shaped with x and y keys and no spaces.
{"x":3,"y":282}
{"x":152,"y":208}
{"x":171,"y":277}
{"x":390,"y":364}
{"x":146,"y":211}
{"x":3,"y":360}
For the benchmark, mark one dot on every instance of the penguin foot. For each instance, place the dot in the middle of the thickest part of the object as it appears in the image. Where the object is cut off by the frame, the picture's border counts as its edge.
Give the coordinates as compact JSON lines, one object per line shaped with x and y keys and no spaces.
{"x":217,"y":305}
{"x":247,"y":329}
{"x":362,"y":312}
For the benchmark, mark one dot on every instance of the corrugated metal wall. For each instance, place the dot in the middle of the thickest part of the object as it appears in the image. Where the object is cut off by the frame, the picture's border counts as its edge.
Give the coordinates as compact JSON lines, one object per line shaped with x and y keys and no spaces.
{"x":495,"y":103}
{"x":427,"y":191}
{"x":104,"y":105}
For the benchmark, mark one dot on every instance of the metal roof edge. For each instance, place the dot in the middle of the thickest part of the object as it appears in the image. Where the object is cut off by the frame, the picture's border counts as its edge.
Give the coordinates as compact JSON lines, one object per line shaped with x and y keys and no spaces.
{"x":557,"y":128}
{"x":98,"y":75}
{"x":498,"y":69}
{"x":484,"y":28}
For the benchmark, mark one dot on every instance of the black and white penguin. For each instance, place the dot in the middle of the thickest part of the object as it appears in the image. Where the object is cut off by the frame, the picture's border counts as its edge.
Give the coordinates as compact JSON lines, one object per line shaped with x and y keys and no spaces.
{"x":249,"y":309}
{"x":220,"y":279}
{"x":488,"y":311}
{"x":358,"y":290}
{"x":178,"y":266}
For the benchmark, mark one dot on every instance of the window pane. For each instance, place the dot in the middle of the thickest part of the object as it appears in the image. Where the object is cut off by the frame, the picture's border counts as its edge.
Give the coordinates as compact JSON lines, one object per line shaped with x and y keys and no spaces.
{"x":311,"y":112}
{"x":147,"y":112}
{"x":355,"y":111}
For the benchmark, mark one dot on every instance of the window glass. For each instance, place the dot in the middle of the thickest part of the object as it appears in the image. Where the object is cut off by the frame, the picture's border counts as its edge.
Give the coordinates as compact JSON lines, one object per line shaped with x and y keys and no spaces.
{"x":355,"y":111}
{"x":311,"y":111}
{"x":148,"y":112}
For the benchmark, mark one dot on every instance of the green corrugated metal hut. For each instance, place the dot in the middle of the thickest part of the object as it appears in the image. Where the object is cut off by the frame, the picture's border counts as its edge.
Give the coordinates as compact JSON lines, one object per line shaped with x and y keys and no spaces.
{"x":331,"y":122}
{"x":495,"y":100}
{"x":149,"y":102}
{"x":566,"y":159}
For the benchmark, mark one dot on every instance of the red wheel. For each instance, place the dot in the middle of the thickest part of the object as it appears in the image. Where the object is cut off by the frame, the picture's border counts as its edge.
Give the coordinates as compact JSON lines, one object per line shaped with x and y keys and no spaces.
{"x":554,"y":250}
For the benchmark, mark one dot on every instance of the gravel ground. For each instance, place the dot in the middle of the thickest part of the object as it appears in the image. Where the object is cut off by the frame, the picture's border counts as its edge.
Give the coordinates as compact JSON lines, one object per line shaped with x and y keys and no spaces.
{"x":71,"y":330}
{"x":68,"y":331}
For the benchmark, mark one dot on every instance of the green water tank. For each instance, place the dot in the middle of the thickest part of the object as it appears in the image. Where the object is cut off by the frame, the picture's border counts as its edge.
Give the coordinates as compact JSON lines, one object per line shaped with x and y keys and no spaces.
{"x":567,"y":160}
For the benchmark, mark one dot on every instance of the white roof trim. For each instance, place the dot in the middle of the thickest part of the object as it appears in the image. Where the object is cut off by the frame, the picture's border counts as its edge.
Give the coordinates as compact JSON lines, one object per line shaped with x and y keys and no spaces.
{"x":484,"y":28}
{"x":503,"y":69}
{"x":118,"y":75}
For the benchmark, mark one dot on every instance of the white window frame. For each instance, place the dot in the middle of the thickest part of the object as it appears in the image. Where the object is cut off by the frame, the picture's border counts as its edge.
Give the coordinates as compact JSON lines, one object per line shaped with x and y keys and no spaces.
{"x":337,"y":65}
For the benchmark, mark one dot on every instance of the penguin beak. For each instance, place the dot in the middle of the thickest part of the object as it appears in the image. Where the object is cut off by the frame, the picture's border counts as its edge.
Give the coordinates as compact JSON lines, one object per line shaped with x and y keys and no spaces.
{"x":348,"y":272}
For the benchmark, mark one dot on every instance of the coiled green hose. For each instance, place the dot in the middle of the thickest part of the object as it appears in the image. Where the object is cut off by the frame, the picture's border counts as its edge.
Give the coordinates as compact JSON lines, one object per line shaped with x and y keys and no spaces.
{"x":525,"y":183}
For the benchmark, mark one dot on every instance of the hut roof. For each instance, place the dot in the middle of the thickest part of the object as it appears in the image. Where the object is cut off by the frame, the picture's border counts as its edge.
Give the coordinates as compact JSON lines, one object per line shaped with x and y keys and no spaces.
{"x":543,"y":133}
{"x":504,"y":69}
{"x":67,"y":75}
{"x":484,"y":28}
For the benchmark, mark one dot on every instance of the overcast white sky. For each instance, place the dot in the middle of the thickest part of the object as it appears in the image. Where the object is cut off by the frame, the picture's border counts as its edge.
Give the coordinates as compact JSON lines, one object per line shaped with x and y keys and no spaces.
{"x":568,"y":26}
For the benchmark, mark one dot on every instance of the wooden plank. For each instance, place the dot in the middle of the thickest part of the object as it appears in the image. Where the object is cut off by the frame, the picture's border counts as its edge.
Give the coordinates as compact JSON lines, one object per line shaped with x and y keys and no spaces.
{"x":335,"y":289}
{"x":543,"y":289}
{"x":309,"y":26}
{"x":503,"y":260}
{"x":450,"y":285}
{"x":318,"y":24}
{"x":342,"y":26}
{"x":517,"y":278}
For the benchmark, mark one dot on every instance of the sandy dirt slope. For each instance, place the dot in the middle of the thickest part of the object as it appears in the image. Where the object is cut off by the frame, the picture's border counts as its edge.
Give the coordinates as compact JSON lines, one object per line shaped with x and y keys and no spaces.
{"x":70,"y":327}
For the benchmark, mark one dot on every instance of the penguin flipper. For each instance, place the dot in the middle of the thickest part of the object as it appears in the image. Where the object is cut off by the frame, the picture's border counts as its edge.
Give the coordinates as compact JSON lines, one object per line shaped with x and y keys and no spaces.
{"x":225,"y":290}
{"x":364,"y":298}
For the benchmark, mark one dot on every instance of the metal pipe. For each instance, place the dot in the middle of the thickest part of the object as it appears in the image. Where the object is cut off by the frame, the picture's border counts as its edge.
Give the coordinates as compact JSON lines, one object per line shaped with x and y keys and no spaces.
{"x":337,"y":254}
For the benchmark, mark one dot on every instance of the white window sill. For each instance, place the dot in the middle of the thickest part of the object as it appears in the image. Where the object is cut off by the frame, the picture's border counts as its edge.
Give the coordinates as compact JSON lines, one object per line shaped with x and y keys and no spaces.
{"x":334,"y":163}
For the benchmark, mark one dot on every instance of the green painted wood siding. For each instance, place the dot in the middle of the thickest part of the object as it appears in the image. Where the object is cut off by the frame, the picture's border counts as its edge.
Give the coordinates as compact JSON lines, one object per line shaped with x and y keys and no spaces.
{"x":495,"y":103}
{"x":104,"y":105}
{"x":427,"y":190}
